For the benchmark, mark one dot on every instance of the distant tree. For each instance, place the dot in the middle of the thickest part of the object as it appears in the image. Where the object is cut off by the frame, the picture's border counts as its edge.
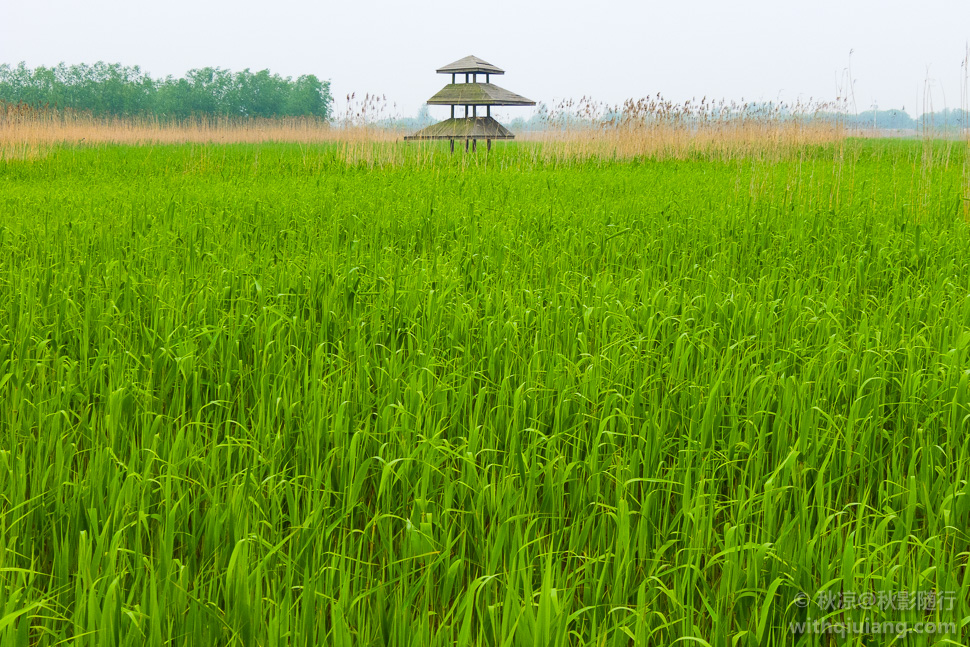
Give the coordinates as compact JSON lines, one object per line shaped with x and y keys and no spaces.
{"x":208,"y":90}
{"x":881,"y":120}
{"x":424,"y":116}
{"x":949,"y":119}
{"x":307,"y":96}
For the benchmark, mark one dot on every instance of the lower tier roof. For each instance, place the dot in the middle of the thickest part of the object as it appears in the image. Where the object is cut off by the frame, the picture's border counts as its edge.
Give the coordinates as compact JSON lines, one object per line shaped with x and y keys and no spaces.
{"x":464,"y":128}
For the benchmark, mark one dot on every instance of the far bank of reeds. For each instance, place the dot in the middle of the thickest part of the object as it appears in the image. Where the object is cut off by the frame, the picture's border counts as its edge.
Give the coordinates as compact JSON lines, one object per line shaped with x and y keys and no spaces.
{"x":639,"y":128}
{"x":651,"y":127}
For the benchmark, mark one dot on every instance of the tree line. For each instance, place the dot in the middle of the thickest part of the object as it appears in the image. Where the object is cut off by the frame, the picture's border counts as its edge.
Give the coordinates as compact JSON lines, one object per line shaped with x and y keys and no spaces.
{"x":112,"y":89}
{"x":948,"y":119}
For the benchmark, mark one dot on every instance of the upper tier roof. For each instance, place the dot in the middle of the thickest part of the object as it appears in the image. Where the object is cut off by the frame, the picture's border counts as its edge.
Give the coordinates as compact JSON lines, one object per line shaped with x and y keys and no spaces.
{"x":470,"y":65}
{"x":477,"y":94}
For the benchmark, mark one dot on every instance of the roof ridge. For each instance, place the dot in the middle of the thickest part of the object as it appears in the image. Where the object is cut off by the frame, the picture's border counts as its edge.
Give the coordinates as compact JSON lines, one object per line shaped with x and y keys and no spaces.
{"x":469,"y":65}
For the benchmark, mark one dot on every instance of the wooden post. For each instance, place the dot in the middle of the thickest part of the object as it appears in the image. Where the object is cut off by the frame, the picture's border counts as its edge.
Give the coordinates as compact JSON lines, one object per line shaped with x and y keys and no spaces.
{"x":466,"y":145}
{"x":488,"y":144}
{"x":486,"y":77}
{"x":488,"y":111}
{"x":452,"y":112}
{"x":474,"y":111}
{"x":452,"y":146}
{"x":474,"y":145}
{"x":453,"y":79}
{"x":466,"y":78}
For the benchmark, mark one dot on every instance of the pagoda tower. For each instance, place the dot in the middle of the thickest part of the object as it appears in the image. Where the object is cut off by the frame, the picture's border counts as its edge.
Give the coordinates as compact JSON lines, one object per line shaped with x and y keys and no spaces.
{"x":469,"y":96}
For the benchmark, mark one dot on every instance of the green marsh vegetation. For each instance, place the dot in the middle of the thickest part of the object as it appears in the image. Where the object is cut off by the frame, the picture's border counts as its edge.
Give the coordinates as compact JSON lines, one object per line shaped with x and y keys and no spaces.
{"x":262,"y":395}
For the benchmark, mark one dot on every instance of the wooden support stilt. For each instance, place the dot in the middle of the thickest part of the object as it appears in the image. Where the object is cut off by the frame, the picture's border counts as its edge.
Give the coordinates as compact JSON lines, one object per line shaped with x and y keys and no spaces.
{"x":452,"y":112}
{"x":474,"y":145}
{"x":466,"y":145}
{"x":452,"y":146}
{"x":488,"y":144}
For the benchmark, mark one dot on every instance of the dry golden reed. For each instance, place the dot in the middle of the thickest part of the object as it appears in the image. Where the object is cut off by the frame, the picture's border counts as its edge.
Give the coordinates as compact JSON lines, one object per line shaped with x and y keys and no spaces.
{"x":654,"y":127}
{"x":671,"y":141}
{"x":27,"y":134}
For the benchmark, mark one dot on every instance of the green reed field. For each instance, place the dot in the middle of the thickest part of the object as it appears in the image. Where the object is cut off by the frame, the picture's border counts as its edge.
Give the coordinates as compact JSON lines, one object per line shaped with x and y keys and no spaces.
{"x":258,"y":395}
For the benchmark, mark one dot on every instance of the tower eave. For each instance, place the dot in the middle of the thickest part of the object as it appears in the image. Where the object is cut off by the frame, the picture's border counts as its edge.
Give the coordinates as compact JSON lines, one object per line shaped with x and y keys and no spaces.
{"x":477,"y":94}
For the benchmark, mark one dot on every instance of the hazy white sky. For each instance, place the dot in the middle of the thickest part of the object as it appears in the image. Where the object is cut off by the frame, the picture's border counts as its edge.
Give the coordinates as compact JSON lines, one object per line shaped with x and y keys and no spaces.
{"x":607,"y":49}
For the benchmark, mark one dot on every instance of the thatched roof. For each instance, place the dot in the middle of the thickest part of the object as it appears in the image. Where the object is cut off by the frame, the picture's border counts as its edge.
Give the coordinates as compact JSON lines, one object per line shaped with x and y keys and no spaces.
{"x":470,"y":65}
{"x":464,"y":128}
{"x":477,"y":94}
